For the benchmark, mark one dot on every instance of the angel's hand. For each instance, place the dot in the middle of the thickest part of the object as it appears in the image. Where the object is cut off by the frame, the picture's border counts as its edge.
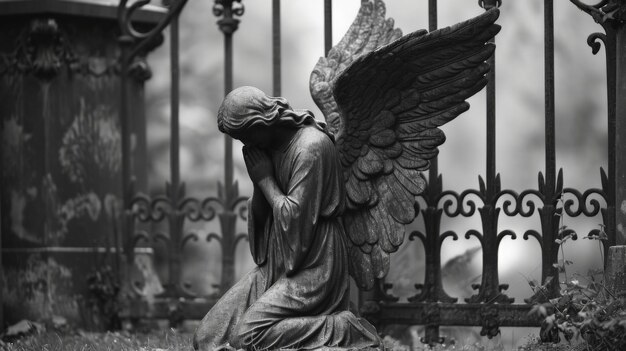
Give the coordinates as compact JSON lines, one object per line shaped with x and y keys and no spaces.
{"x":258,"y":163}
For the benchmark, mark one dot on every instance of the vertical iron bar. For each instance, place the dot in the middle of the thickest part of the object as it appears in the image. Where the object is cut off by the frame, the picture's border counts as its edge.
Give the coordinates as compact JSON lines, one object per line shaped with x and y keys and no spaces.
{"x":491,"y":124}
{"x":432,"y":15}
{"x":620,"y":126}
{"x":328,"y":26}
{"x":174,"y":105}
{"x":228,"y":86}
{"x":433,"y":171}
{"x":610,"y":215}
{"x":549,"y":222}
{"x":276,"y":59}
{"x":229,"y":192}
{"x":489,"y":213}
{"x":490,"y":290}
{"x":175,"y":219}
{"x":432,"y":221}
{"x":549,"y":93}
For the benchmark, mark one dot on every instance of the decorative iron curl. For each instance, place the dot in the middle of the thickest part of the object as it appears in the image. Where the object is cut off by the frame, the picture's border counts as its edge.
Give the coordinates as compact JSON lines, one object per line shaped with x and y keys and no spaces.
{"x":195,"y":210}
{"x":519,"y":199}
{"x":583,"y":200}
{"x":212,"y":236}
{"x":446,"y":235}
{"x":461,"y":201}
{"x":593,"y":40}
{"x":125,"y":14}
{"x":139,"y":236}
{"x":567,"y":232}
{"x":506,"y":233}
{"x":191,"y":236}
{"x":417,"y":234}
{"x":535,"y":234}
{"x":475,"y":233}
{"x":243,"y":210}
{"x":150,"y":210}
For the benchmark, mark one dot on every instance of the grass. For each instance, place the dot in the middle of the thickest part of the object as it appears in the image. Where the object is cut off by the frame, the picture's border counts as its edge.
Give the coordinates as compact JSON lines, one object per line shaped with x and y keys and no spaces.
{"x":169,"y":340}
{"x":172,"y":340}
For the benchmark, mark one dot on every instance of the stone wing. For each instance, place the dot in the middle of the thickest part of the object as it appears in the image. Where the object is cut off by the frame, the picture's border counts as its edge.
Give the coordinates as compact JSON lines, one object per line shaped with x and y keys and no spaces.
{"x":391,"y":101}
{"x":369,"y":31}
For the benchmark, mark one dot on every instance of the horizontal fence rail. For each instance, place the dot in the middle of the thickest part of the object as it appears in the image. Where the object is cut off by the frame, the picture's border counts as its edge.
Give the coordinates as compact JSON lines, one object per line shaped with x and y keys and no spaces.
{"x":490,"y":307}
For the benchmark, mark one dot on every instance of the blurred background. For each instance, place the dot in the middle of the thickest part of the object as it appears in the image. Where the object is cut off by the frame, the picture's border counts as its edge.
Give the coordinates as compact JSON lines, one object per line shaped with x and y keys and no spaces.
{"x":580,"y":124}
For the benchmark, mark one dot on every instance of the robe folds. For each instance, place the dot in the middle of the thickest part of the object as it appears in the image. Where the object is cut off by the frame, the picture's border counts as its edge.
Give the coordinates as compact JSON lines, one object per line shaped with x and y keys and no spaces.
{"x":298,"y":295}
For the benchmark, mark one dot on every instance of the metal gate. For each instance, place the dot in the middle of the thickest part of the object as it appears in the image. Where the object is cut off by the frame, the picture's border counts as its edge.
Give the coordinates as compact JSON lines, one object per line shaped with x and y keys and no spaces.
{"x":490,"y":307}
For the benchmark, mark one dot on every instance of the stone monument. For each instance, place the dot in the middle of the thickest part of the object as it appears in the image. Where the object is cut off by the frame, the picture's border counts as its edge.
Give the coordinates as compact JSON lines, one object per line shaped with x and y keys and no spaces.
{"x":331,"y":199}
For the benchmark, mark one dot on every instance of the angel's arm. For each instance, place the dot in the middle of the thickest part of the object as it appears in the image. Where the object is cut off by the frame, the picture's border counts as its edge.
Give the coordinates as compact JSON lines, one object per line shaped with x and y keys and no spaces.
{"x":259,"y":208}
{"x":296,"y":208}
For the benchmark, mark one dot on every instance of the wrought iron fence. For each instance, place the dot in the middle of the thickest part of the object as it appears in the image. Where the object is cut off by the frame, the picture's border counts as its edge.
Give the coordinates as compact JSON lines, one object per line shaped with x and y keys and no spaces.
{"x":490,"y":307}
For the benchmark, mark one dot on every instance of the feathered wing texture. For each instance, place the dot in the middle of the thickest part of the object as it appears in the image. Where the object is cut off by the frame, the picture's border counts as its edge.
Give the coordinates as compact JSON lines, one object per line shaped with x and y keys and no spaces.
{"x":369,"y":31}
{"x":391,"y":102}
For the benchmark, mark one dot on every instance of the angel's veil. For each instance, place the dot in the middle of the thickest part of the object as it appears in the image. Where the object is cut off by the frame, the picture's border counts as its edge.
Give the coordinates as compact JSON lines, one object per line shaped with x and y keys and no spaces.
{"x":247,"y":107}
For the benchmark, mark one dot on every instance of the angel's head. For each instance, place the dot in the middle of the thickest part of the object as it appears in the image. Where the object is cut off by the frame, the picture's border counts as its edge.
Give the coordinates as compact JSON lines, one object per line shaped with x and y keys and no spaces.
{"x":249,"y":115}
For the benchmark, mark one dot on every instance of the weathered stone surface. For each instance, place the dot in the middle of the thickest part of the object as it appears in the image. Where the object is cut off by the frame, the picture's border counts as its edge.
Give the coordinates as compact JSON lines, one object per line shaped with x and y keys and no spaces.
{"x":60,"y":186}
{"x":616,"y":271}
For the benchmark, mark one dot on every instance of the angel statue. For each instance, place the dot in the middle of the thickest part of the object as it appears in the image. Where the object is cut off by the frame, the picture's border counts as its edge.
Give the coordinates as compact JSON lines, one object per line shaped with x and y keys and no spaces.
{"x":331,"y":200}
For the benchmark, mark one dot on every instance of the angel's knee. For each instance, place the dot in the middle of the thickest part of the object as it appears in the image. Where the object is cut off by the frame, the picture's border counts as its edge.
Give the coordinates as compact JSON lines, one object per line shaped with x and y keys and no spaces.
{"x":251,"y":331}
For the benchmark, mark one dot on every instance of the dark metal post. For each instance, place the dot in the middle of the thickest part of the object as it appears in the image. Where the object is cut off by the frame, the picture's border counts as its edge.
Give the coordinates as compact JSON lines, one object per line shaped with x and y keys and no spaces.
{"x":611,"y":16}
{"x":328,"y":26}
{"x":490,"y":290}
{"x":432,"y":288}
{"x":276,"y":59}
{"x":175,"y":190}
{"x":549,"y":187}
{"x":227,"y":9}
{"x":620,"y":120}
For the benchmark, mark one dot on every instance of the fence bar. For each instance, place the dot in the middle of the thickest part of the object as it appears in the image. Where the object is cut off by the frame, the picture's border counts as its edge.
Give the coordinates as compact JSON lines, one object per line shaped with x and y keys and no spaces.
{"x":549,"y":92}
{"x":490,"y":290}
{"x":620,"y":128}
{"x":328,"y":26}
{"x":432,"y":221}
{"x":610,"y":215}
{"x":229,"y":192}
{"x":174,"y":104}
{"x":551,"y":190}
{"x":176,"y":221}
{"x":228,"y":86}
{"x":276,"y":62}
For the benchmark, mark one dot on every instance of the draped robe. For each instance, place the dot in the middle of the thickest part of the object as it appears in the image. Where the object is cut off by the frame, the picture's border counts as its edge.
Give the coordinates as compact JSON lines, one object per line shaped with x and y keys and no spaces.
{"x":298,"y":295}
